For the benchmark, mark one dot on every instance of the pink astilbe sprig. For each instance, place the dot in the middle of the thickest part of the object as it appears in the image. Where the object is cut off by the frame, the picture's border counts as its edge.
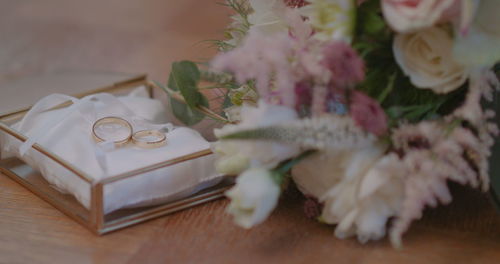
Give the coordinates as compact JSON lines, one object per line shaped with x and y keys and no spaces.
{"x":434,"y":153}
{"x":262,"y":58}
{"x":482,"y":84}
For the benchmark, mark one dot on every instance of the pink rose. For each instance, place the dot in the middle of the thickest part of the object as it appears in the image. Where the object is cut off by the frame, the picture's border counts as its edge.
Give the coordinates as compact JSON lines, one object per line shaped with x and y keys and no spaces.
{"x":368,"y":114}
{"x":411,"y":15}
{"x":344,"y":63}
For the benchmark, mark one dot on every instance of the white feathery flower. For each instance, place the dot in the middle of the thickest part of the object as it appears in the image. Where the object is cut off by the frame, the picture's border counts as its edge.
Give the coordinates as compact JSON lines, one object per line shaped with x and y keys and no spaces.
{"x":234,"y":156}
{"x":328,"y":132}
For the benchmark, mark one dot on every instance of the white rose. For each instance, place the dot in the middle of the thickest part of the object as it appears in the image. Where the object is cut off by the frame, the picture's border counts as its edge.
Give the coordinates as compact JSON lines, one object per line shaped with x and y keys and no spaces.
{"x":407,"y":16}
{"x":426,"y":57}
{"x":481,"y":44}
{"x":358,"y":193}
{"x":234,"y":156}
{"x":253,"y":198}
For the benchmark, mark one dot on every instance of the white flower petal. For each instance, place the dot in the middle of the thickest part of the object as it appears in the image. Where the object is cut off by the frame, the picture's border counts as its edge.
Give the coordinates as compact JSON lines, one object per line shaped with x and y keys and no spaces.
{"x":253,"y":198}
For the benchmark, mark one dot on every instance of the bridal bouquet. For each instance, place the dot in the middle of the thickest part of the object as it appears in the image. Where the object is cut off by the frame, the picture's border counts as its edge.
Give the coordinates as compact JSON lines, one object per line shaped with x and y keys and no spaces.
{"x":370,"y":107}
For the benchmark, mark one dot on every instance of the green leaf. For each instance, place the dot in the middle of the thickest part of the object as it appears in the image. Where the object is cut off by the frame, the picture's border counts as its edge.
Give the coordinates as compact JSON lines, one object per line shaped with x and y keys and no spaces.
{"x":388,"y":89}
{"x":184,"y":77}
{"x":371,"y":21}
{"x":187,"y":115}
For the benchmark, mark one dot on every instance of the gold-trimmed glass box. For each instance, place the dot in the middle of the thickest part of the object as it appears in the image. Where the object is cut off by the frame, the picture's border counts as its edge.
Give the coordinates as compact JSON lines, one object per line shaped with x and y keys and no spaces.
{"x":94,"y":218}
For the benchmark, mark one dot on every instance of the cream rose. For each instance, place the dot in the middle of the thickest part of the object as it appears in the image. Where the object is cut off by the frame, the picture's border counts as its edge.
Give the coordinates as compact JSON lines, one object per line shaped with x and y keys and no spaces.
{"x":411,"y":15}
{"x":426,"y":57}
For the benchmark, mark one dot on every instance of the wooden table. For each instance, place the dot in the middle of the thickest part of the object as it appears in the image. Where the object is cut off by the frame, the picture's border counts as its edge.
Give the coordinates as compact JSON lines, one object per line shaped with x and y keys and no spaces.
{"x":146,"y":36}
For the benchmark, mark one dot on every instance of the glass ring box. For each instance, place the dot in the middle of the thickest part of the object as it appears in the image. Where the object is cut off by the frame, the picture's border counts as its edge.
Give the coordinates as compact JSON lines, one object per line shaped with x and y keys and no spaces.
{"x":95,"y":218}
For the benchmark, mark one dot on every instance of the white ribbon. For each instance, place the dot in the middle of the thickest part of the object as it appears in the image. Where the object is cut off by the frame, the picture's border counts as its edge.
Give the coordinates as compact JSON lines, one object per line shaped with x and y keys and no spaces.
{"x":85,"y":107}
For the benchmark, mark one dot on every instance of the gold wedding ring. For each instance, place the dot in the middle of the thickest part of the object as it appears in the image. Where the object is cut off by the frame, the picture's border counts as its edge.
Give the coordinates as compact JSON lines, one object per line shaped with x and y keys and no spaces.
{"x":143,"y":138}
{"x":111,"y":120}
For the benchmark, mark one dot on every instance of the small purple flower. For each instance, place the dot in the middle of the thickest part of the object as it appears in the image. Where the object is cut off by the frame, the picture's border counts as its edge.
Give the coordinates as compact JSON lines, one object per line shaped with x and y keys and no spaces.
{"x":336,"y":102}
{"x":303,"y":96}
{"x":343,"y":62}
{"x":312,"y":207}
{"x":367,"y":113}
{"x":295,"y":3}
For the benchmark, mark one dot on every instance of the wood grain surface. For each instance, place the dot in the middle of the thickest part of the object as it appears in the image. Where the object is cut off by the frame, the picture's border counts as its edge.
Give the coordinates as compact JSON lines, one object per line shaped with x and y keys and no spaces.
{"x":146,"y":36}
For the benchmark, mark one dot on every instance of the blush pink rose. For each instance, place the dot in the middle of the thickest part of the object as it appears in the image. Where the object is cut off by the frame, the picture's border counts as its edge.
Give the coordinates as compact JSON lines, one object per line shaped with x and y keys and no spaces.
{"x":410,"y":15}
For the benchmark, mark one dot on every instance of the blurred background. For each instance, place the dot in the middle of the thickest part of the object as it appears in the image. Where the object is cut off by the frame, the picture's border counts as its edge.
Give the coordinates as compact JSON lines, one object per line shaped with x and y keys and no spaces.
{"x":130,"y":36}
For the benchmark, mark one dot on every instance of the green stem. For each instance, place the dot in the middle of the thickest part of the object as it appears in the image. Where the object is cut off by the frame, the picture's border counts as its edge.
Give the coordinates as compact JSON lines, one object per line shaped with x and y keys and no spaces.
{"x":280,"y":173}
{"x":388,"y":88}
{"x":209,"y":87}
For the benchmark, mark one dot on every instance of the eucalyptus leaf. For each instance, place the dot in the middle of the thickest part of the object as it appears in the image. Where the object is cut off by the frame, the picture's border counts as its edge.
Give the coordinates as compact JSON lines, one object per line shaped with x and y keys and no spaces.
{"x":184,"y":77}
{"x":187,"y":115}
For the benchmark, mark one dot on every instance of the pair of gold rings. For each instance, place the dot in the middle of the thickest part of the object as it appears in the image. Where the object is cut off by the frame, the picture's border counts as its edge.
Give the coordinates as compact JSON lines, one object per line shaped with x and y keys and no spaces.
{"x":124,"y":133}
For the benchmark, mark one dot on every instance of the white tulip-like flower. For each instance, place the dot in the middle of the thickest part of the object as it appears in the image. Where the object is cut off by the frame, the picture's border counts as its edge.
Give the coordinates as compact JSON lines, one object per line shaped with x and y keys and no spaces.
{"x":358,"y":193}
{"x":426,"y":58}
{"x":332,"y":19}
{"x":268,"y":16}
{"x":253,"y":198}
{"x":408,"y":16}
{"x":234,"y":156}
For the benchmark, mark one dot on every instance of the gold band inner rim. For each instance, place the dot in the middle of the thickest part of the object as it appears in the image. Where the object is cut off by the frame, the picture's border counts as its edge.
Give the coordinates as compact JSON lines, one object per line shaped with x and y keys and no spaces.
{"x":112,"y":120}
{"x":138,"y":138}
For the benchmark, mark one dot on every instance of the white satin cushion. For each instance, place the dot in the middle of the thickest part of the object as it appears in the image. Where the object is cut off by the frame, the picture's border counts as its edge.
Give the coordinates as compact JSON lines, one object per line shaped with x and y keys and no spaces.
{"x":71,"y":139}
